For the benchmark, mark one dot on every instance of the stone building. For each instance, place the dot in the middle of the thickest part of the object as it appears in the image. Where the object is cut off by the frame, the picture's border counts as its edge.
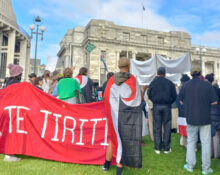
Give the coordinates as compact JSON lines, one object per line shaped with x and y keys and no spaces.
{"x":40,"y":68}
{"x":14,"y":41}
{"x":114,"y":41}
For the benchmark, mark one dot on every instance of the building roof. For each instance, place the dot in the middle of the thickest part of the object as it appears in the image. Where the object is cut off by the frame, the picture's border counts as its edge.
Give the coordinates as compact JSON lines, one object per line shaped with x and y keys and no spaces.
{"x":8,"y":17}
{"x":7,"y":14}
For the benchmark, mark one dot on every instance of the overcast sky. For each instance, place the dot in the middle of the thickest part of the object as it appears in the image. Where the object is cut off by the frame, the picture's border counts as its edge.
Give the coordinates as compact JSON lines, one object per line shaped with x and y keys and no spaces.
{"x":200,"y":18}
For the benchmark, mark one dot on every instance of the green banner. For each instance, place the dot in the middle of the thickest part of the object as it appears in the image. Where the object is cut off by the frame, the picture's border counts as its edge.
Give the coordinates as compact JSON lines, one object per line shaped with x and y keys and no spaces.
{"x":90,"y":47}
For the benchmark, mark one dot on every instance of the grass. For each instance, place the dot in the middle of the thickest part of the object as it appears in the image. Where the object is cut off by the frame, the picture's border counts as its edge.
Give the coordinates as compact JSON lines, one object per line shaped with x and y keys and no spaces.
{"x":153,"y":164}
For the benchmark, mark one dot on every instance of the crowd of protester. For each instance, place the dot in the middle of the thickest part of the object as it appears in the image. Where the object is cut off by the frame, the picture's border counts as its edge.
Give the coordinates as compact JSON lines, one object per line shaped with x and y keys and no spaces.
{"x":196,"y":100}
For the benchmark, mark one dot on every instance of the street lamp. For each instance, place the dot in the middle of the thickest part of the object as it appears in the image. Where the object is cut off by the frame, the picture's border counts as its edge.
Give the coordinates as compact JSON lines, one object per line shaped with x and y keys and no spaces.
{"x":200,"y":52}
{"x":38,"y":22}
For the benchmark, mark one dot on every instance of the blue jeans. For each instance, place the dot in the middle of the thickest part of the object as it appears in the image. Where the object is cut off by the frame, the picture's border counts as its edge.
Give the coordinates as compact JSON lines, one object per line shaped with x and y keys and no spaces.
{"x":192,"y":138}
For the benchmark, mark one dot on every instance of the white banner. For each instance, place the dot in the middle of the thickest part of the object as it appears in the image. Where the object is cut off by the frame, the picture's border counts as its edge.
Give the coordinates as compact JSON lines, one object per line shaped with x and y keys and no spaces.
{"x":146,"y":71}
{"x":143,"y":67}
{"x":179,"y":65}
{"x":51,"y":63}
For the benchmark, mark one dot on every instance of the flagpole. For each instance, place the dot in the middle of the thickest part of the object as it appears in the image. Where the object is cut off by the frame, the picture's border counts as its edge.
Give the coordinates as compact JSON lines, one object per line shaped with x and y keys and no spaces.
{"x":142,"y":16}
{"x":100,"y":68}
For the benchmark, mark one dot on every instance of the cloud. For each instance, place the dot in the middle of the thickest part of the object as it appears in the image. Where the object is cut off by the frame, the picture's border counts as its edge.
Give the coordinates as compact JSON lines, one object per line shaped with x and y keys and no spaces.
{"x":193,"y":16}
{"x":38,"y":12}
{"x":209,"y":38}
{"x":122,"y":12}
{"x":45,"y":51}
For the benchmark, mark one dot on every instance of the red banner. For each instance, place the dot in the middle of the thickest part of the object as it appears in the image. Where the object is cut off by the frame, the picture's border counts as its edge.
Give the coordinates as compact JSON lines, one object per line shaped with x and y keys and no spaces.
{"x":36,"y":124}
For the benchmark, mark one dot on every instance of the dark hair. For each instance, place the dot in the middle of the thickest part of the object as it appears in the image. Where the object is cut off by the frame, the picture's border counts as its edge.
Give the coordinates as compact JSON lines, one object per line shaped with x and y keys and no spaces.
{"x":109,"y":75}
{"x":210,"y":77}
{"x":67,"y":73}
{"x":184,"y":78}
{"x":37,"y":80}
{"x":46,"y":75}
{"x":18,"y":77}
{"x":195,"y":74}
{"x":83,"y":71}
{"x":32,"y":75}
{"x":55,"y":73}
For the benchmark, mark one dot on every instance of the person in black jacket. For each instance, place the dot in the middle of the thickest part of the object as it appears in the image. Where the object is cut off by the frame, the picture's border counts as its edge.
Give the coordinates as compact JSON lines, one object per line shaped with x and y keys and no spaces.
{"x":215,"y":120}
{"x":198,"y":96}
{"x":162,"y":93}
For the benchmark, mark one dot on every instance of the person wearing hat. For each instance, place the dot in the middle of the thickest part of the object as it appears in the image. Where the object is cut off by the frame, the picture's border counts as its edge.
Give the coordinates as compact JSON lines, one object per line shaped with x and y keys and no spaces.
{"x":15,"y":77}
{"x":32,"y":78}
{"x":162,"y":93}
{"x":15,"y":72}
{"x":122,"y":100}
{"x":197,"y":97}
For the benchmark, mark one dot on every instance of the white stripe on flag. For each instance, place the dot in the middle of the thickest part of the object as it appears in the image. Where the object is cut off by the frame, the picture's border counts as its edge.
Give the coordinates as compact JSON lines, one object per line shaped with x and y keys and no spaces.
{"x":182,"y":121}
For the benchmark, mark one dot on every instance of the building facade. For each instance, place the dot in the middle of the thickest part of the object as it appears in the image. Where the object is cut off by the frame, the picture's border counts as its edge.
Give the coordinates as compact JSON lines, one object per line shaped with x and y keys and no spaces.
{"x":40,"y":68}
{"x":14,"y":41}
{"x":114,"y":41}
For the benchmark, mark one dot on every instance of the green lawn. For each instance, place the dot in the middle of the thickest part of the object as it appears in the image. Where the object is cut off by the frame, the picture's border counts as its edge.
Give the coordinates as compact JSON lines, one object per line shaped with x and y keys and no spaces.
{"x":171,"y":164}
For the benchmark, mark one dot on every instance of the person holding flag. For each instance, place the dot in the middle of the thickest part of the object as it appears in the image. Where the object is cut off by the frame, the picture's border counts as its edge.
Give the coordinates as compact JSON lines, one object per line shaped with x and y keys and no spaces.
{"x":122,"y":100}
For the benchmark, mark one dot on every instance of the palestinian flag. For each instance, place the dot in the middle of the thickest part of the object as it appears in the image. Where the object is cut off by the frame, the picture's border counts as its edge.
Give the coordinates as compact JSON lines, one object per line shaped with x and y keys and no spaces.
{"x":123,"y":108}
{"x":83,"y":80}
{"x":182,"y":125}
{"x":86,"y":86}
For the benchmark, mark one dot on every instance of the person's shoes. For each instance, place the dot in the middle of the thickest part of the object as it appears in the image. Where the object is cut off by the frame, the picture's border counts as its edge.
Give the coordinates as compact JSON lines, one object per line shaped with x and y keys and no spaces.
{"x":157,"y":151}
{"x":210,"y":171}
{"x":106,"y":166}
{"x":188,"y":169}
{"x":174,"y":130}
{"x":105,"y":169}
{"x":11,"y":158}
{"x":167,"y":152}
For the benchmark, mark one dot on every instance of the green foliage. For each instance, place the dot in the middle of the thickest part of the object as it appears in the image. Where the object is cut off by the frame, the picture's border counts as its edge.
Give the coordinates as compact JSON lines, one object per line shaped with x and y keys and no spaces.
{"x":153,"y":164}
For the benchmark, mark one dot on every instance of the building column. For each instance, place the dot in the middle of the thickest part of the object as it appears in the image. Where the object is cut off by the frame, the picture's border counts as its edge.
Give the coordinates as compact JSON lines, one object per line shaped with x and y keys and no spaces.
{"x":1,"y":35}
{"x":218,"y":76}
{"x":116,"y":60}
{"x":216,"y":70}
{"x":11,"y":50}
{"x":134,"y":55}
{"x":203,"y":67}
{"x":28,"y":53}
{"x":66,"y":62}
{"x":22,"y":59}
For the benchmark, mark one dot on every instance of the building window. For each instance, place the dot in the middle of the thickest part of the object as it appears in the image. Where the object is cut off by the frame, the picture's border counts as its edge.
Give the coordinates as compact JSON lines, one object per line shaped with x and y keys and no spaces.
{"x":4,"y":41}
{"x":143,"y":56}
{"x":160,"y":40}
{"x":144,"y":38}
{"x":165,"y":56}
{"x":3,"y":62}
{"x":16,"y":61}
{"x":126,"y":36}
{"x":17,"y":47}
